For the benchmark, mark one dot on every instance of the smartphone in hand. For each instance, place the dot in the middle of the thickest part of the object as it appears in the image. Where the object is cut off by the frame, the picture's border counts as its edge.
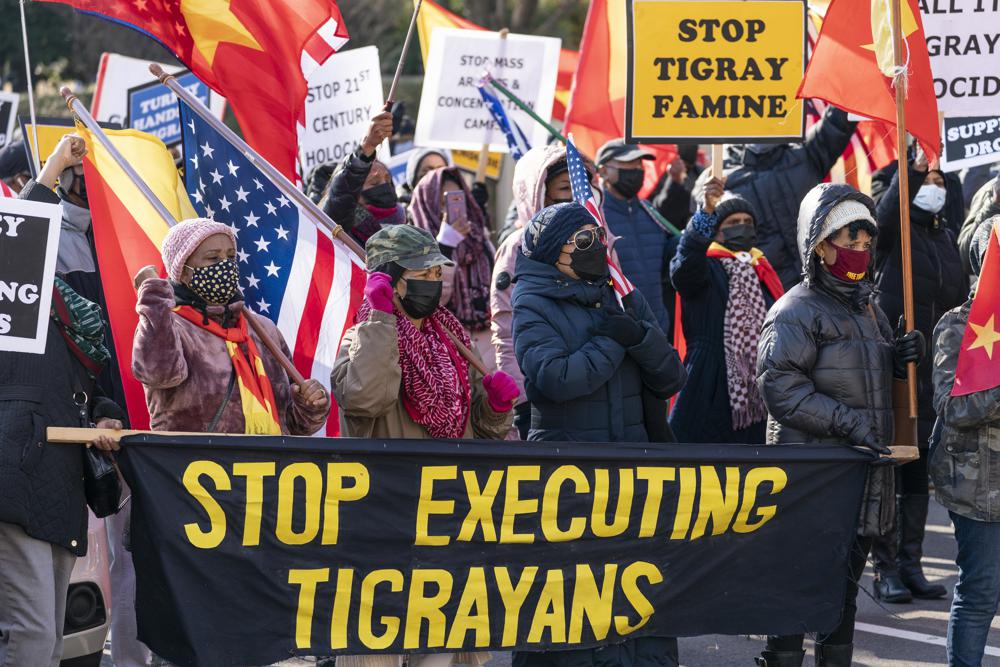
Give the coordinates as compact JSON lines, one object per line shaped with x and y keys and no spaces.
{"x":456,"y":208}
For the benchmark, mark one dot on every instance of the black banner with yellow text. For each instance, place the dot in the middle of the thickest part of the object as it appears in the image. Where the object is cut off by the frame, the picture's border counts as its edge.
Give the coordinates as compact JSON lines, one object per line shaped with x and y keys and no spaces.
{"x":249,"y":550}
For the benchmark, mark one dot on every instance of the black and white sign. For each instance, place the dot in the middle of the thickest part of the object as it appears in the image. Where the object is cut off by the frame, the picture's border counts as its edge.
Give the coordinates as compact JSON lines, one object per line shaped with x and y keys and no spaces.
{"x":29,"y":244}
{"x":970,"y":142}
{"x":963,"y":40}
{"x":8,"y":116}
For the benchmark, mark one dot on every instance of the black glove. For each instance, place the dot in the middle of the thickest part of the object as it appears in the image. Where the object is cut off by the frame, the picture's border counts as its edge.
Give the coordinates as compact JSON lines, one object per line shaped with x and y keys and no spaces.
{"x":863,"y":435}
{"x":481,"y":194}
{"x":621,"y":328}
{"x":906,"y":347}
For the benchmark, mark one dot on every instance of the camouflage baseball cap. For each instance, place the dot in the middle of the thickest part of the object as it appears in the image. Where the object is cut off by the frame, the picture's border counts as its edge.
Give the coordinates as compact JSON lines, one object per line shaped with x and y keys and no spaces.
{"x":410,"y":247}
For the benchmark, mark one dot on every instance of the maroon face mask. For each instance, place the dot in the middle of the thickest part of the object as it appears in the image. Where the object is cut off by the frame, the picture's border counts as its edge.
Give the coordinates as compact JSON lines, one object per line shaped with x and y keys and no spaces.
{"x":850,"y":265}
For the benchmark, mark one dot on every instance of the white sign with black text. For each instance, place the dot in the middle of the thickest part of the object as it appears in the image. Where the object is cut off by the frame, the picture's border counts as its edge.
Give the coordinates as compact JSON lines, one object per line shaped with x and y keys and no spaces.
{"x":963,"y":40}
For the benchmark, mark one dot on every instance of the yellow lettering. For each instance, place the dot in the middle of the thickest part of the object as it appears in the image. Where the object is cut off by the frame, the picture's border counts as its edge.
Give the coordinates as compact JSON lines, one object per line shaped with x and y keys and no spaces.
{"x":427,"y":506}
{"x":313,"y":478}
{"x":475,"y":597}
{"x":391,"y":623}
{"x":595,"y":605}
{"x":422,"y":606}
{"x":551,"y":611}
{"x":480,"y":506}
{"x":307,"y":581}
{"x":337,"y":493}
{"x":714,"y":504}
{"x":216,"y":517}
{"x":341,"y":609}
{"x":602,"y":490}
{"x":513,"y":599}
{"x":550,"y":504}
{"x":655,"y":477}
{"x":640,"y":603}
{"x":755,"y":477}
{"x":515,"y":506}
{"x":255,"y":474}
{"x":685,"y":503}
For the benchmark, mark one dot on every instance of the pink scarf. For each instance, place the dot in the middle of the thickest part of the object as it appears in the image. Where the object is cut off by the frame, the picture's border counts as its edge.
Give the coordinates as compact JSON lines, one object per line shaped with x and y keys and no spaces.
{"x":436,"y":391}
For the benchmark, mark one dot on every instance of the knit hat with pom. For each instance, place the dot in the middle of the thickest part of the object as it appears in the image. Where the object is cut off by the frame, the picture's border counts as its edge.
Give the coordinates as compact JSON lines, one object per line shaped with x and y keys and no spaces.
{"x":182,"y":240}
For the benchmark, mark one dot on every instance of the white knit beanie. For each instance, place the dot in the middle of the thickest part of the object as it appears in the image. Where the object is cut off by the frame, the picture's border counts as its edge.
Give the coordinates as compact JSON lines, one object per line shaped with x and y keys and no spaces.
{"x":844,"y":214}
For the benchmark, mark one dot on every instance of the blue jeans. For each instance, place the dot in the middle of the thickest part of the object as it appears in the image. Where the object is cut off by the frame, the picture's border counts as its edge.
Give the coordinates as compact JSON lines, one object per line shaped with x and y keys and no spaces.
{"x":977,"y":592}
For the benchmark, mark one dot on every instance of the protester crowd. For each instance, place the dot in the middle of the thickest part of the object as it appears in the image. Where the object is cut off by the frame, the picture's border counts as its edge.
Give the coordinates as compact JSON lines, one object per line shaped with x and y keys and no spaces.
{"x":783,"y":293}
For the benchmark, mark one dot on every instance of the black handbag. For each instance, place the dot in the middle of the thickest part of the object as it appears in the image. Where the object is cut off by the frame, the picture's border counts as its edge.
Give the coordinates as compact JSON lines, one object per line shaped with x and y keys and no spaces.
{"x":101,"y":484}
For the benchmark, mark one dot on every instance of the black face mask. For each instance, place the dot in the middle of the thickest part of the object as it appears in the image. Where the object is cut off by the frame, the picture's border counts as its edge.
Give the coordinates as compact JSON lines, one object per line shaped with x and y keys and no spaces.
{"x":422,"y":297}
{"x":382,"y":195}
{"x":590,"y":264}
{"x":739,"y":237}
{"x":630,"y":182}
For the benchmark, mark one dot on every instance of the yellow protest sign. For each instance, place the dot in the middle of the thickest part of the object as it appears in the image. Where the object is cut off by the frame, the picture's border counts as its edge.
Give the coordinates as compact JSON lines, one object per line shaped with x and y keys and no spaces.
{"x":50,"y":131}
{"x":469,"y":161}
{"x":713,"y":72}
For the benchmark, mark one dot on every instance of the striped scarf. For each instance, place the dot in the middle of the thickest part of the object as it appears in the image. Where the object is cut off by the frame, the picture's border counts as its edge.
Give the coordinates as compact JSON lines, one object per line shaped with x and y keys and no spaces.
{"x":435,"y":377}
{"x":260,"y":411}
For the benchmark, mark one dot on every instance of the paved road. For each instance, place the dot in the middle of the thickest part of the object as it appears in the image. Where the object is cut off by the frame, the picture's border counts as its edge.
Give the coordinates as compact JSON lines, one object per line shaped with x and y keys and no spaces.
{"x":910,"y":635}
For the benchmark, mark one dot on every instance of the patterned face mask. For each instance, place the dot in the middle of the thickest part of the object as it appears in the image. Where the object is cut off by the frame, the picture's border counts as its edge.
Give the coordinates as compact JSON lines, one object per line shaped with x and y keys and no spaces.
{"x":216,"y":283}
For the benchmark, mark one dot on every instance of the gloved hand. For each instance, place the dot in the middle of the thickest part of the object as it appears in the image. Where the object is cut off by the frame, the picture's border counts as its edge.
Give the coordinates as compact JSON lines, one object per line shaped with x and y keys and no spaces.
{"x":906,"y":347}
{"x":501,"y":391}
{"x":378,"y":291}
{"x":704,"y":223}
{"x":863,"y":435}
{"x":619,"y":327}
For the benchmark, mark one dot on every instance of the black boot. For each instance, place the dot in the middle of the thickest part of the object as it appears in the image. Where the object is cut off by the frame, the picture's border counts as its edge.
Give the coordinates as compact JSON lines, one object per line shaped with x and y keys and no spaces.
{"x":835,"y":655}
{"x":780,"y":658}
{"x":912,"y":520}
{"x":888,"y":586}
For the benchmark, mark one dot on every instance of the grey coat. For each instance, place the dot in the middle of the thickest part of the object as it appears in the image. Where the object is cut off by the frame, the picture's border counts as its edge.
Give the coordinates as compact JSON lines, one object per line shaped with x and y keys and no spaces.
{"x":965,"y":463}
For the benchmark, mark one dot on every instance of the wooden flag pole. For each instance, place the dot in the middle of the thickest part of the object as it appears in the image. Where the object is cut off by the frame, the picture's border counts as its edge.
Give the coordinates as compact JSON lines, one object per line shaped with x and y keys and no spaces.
{"x":904,"y":194}
{"x":313,"y":212}
{"x":77,"y":107}
{"x":402,"y":57}
{"x":718,"y":158}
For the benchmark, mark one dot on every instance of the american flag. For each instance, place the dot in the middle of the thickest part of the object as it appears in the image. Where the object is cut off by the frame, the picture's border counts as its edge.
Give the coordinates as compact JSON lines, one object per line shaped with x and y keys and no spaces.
{"x":291,"y":270}
{"x":583,"y":194}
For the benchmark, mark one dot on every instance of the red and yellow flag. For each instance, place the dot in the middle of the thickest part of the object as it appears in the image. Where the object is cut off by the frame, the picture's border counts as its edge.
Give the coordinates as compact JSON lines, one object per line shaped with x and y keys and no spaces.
{"x":979,"y":359}
{"x":852,"y":66}
{"x":128,"y":233}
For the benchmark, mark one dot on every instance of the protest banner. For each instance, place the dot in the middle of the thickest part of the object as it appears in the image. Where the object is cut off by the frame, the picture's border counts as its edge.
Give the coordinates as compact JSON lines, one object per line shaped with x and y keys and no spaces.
{"x":50,"y":131}
{"x":714,"y":72}
{"x":251,"y":549}
{"x":452,"y":112}
{"x":117,"y":74}
{"x":344,"y":93}
{"x":970,"y":142}
{"x":8,"y":116}
{"x":963,"y":41}
{"x":29,"y":245}
{"x":152,"y":108}
{"x":469,"y":161}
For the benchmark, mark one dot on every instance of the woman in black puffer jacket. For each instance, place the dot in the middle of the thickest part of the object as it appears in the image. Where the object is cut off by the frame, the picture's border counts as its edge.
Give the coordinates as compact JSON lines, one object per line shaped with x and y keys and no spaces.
{"x":825,"y":366}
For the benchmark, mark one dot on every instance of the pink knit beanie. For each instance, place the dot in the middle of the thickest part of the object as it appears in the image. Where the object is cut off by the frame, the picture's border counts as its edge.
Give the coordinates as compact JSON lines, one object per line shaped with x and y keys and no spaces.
{"x":182,"y":240}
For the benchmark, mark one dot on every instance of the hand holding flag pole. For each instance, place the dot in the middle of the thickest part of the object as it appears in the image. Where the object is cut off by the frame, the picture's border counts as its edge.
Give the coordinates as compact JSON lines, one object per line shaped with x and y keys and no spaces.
{"x":402,"y":58}
{"x":77,"y":107}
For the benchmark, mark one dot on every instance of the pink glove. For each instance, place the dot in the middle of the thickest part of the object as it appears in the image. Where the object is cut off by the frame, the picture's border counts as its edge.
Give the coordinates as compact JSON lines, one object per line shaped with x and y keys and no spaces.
{"x":501,"y":391}
{"x":378,"y":291}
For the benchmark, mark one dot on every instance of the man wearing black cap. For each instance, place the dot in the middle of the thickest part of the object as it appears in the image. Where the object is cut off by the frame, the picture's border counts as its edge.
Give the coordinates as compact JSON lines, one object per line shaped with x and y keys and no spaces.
{"x":14,"y":169}
{"x":643,"y":246}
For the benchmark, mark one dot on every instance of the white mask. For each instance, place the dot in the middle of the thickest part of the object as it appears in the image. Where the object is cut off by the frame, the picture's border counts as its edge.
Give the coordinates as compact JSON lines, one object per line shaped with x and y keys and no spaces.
{"x":930,"y":198}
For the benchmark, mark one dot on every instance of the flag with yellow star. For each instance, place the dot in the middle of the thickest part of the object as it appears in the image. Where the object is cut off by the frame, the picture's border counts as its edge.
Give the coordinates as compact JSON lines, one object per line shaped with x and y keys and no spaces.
{"x":852,"y":67}
{"x":255,"y":54}
{"x":979,"y":360}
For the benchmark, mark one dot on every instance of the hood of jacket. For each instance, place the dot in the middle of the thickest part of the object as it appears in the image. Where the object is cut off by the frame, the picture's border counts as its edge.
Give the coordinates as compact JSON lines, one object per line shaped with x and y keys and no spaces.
{"x":813,"y":211}
{"x":538,"y":278}
{"x":529,"y":180}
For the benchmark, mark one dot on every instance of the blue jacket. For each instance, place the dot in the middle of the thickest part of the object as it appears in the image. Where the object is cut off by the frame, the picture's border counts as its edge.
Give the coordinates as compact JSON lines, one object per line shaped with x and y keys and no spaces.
{"x":644,"y":249}
{"x":584,"y":388}
{"x":702,"y":411}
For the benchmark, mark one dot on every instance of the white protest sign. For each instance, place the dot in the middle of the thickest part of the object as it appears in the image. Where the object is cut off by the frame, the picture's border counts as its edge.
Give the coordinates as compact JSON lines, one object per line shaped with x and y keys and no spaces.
{"x":8,"y":116}
{"x":452,"y":113}
{"x":29,"y":245}
{"x":117,"y":74}
{"x":343,"y":94}
{"x":963,"y":40}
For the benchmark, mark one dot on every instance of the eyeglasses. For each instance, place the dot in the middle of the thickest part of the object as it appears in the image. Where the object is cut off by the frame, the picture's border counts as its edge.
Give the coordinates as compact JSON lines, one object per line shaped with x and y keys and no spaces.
{"x":585,"y":238}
